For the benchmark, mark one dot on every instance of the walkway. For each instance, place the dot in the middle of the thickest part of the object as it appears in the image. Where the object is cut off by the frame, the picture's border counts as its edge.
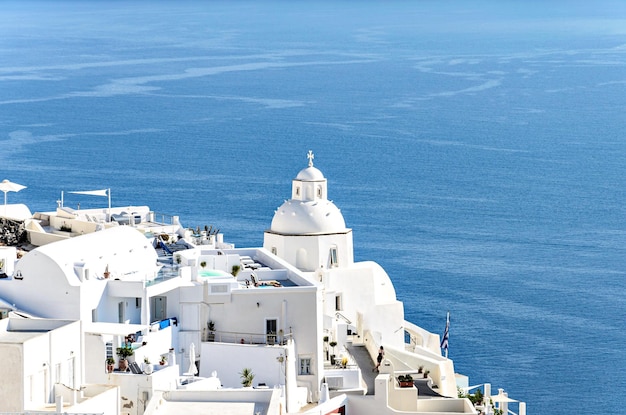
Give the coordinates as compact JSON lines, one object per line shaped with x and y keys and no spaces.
{"x":366,"y":364}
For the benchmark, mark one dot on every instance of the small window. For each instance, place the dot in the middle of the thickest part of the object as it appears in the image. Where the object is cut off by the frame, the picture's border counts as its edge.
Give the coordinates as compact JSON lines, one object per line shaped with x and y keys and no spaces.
{"x":219,"y":288}
{"x":319,"y":192}
{"x":305,"y":366}
{"x":137,"y":302}
{"x":333,"y":257}
{"x":298,"y":191}
{"x":274,"y":250}
{"x":338,"y":303}
{"x":109,"y":349}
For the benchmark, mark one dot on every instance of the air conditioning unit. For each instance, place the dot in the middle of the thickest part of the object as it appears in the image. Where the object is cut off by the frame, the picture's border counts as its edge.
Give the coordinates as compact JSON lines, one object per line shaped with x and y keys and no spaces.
{"x":334,"y":382}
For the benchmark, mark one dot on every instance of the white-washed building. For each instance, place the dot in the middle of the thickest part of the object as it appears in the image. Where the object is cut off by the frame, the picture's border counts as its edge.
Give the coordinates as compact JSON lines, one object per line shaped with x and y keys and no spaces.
{"x":298,"y":313}
{"x":43,"y":370}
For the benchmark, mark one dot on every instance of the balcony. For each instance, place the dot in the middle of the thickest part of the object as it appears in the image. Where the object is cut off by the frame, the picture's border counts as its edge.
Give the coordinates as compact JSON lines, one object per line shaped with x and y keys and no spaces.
{"x":246,"y":338}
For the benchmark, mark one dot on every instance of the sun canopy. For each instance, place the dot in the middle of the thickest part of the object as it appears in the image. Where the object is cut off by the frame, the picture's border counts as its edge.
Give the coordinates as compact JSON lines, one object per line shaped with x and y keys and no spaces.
{"x":102,"y":192}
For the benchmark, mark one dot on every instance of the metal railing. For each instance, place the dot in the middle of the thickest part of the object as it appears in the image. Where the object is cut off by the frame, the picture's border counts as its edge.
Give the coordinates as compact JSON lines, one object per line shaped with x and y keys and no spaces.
{"x":246,"y":338}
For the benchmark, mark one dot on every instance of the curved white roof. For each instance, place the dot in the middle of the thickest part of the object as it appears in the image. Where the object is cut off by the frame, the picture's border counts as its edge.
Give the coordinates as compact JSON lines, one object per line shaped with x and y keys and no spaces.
{"x":310,"y":174}
{"x":296,"y":217}
{"x":122,"y":248}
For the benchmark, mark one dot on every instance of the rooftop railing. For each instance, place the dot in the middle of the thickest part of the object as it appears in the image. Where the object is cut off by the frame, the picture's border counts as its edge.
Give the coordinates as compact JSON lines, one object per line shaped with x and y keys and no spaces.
{"x":246,"y":338}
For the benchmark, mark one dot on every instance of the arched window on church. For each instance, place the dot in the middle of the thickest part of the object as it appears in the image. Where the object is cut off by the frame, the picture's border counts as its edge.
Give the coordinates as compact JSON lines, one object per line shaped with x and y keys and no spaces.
{"x":319,"y":192}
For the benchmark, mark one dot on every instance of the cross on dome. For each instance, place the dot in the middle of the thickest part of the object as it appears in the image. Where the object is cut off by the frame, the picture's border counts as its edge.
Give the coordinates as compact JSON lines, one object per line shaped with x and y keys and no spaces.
{"x":310,"y":156}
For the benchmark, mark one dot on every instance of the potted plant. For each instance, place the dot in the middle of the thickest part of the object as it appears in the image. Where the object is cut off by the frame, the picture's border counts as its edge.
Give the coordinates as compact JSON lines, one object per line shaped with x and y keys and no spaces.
{"x":203,"y":264}
{"x":124,"y":353}
{"x":332,"y":356}
{"x":163,"y":360}
{"x":405,"y":381}
{"x":476,"y":398}
{"x":325,"y":338}
{"x":147,"y":367}
{"x":235,"y":270}
{"x":106,"y":271}
{"x":110,"y":364}
{"x":246,"y":377}
{"x":426,"y":373}
{"x":211,"y":327}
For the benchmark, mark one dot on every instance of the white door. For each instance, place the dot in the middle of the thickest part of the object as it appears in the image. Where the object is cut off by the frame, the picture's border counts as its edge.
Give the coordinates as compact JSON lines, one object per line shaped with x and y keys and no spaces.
{"x":121,"y":312}
{"x":158,"y":308}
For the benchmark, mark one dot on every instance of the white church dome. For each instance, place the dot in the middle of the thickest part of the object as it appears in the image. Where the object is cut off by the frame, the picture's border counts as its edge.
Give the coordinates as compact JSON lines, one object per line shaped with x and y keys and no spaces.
{"x":310,"y":174}
{"x":296,"y":217}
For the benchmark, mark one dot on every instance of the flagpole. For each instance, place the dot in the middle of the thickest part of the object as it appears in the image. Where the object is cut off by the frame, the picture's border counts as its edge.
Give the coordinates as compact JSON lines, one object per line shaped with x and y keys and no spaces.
{"x":446,"y":335}
{"x":447,"y":331}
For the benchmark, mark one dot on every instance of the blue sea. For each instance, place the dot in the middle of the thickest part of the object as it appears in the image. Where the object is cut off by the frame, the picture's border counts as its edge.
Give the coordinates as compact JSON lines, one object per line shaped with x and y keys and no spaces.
{"x":476,"y":148}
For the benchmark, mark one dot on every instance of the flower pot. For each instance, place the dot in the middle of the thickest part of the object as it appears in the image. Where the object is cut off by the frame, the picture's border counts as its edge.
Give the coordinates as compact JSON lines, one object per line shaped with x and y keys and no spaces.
{"x":110,"y":368}
{"x":123,"y":365}
{"x":147,"y":368}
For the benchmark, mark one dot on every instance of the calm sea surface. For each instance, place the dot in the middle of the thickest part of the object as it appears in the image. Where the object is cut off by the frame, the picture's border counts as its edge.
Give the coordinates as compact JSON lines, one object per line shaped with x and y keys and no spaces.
{"x":477,"y":150}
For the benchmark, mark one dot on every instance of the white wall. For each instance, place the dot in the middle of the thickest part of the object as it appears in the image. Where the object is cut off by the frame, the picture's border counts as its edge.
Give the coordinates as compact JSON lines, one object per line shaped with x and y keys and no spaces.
{"x":317,"y":248}
{"x":365,"y":288}
{"x":95,"y":353}
{"x":91,"y":293}
{"x":230,"y":359}
{"x":96,"y":399}
{"x":132,"y":387}
{"x":31,"y":359}
{"x":12,"y":392}
{"x":296,"y":309}
{"x":42,"y":275}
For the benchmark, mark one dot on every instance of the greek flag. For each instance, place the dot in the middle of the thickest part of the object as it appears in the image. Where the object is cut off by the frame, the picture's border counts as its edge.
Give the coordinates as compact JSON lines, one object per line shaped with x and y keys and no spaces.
{"x":446,"y":334}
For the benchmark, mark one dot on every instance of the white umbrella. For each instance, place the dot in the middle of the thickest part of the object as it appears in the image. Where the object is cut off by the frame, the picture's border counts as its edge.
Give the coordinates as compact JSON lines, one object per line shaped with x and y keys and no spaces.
{"x":7,"y":186}
{"x":192,"y":360}
{"x":324,"y":393}
{"x":502,"y":397}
